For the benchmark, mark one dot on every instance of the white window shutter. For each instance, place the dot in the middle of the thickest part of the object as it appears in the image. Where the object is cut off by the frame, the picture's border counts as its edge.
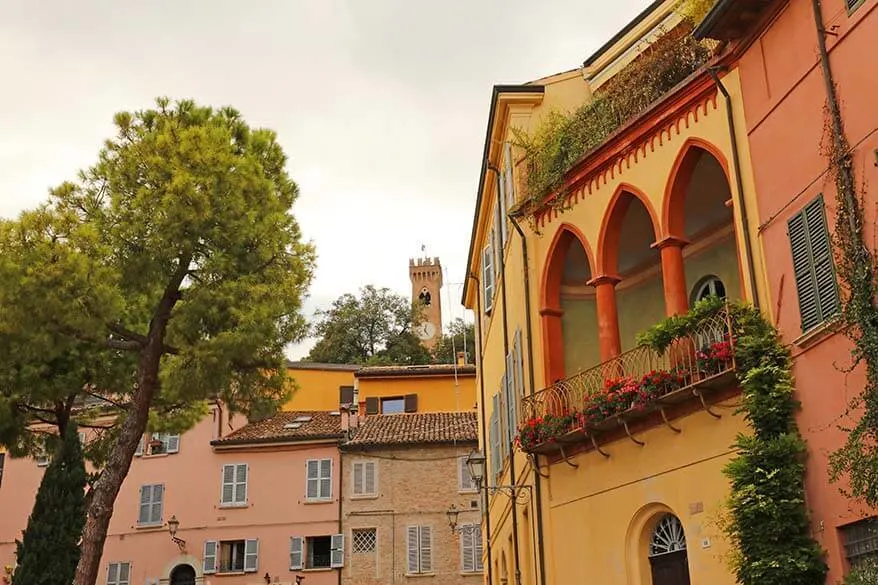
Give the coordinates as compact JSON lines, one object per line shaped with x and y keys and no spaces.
{"x":208,"y":562}
{"x":145,"y":496}
{"x":296,"y":553}
{"x":509,"y":176}
{"x":228,"y":481}
{"x":426,"y":549}
{"x":251,"y":555}
{"x":312,"y":490}
{"x":325,"y":478}
{"x":413,"y":549}
{"x":158,"y":498}
{"x":139,"y":451}
{"x":369,"y":482}
{"x":477,"y":547}
{"x":173,"y":443}
{"x":467,"y":565}
{"x":519,"y":363}
{"x":124,"y":573}
{"x":501,"y":214}
{"x":113,"y":574}
{"x":243,"y":474}
{"x":503,"y":417}
{"x":358,"y":478}
{"x":337,"y":552}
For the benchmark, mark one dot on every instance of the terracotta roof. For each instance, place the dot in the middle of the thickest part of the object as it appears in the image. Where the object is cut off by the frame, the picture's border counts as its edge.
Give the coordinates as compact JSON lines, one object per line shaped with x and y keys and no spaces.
{"x":415,"y":428}
{"x":286,"y":426}
{"x":322,"y":366}
{"x":425,"y":370}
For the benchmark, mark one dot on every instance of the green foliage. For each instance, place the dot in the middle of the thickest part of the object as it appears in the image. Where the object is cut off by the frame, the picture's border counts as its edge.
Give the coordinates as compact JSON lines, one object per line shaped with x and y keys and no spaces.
{"x":563,"y":140}
{"x":768,"y":518}
{"x":694,"y":10}
{"x":49,"y":549}
{"x":458,"y":335}
{"x":864,"y":574}
{"x":857,"y":459}
{"x":374,"y":328}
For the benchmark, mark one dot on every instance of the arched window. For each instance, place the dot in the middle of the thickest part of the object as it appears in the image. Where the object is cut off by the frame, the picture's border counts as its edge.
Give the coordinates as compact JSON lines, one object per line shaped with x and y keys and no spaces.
{"x":667,"y":537}
{"x":709,"y":286}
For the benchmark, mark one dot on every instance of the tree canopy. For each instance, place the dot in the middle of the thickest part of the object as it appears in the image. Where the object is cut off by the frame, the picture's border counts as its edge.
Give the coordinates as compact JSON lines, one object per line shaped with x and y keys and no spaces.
{"x":375,"y":328}
{"x":460,"y":336}
{"x":169,"y":273}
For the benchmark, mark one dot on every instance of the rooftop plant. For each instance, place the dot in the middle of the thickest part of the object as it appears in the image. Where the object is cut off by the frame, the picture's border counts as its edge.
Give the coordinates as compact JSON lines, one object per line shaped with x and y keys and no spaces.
{"x":563,"y":139}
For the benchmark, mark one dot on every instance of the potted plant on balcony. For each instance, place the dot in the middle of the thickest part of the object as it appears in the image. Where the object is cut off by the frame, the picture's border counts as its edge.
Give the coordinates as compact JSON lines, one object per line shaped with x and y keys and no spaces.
{"x":547,"y":428}
{"x":656,"y":384}
{"x":715,"y":358}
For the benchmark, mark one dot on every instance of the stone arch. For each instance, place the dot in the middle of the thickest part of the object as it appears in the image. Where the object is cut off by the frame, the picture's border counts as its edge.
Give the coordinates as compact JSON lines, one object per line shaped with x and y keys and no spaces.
{"x":183,"y":559}
{"x":637,"y":539}
{"x":674,"y":199}
{"x":566,"y":237}
{"x":613,"y":223}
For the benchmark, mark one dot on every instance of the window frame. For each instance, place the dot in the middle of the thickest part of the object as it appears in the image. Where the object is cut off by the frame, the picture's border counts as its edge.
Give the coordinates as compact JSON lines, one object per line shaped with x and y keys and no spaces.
{"x":300,"y":552}
{"x":363,"y":464}
{"x":150,"y":505}
{"x":462,"y":473}
{"x":476,"y":550}
{"x":420,"y":531}
{"x":853,"y":6}
{"x":235,"y":482}
{"x":383,"y":399}
{"x":488,"y":275}
{"x":359,"y":529}
{"x":118,"y":565}
{"x":319,"y":479}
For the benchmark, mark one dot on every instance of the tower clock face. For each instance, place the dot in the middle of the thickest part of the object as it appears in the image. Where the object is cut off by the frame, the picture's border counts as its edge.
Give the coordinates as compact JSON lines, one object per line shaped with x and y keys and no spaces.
{"x":425,"y":331}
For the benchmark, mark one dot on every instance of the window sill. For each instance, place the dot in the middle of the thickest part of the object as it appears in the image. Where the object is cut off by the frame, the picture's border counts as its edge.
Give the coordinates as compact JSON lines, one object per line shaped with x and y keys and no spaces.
{"x":234,"y":505}
{"x":468,"y":491}
{"x":322,"y":501}
{"x":419,"y":575}
{"x":154,"y":456}
{"x":816,"y":334}
{"x":472,"y":573}
{"x":229,"y":573}
{"x":365,"y":497}
{"x":150,"y":526}
{"x":315,"y":570}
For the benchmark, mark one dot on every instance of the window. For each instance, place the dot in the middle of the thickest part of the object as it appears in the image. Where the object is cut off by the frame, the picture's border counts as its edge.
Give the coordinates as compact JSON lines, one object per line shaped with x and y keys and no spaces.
{"x":471,"y":548}
{"x":861,"y":541}
{"x":316,"y":552}
{"x":234,"y":491}
{"x":488,"y":273}
{"x":812,"y":265}
{"x":392,"y":405}
{"x":158,"y":444}
{"x":151,"y":499}
{"x":466,"y":483}
{"x":853,"y":5}
{"x":709,"y":286}
{"x":494,"y":438}
{"x":319,"y":483}
{"x":420,"y":549}
{"x":230,"y":556}
{"x":364,"y":478}
{"x":119,"y":573}
{"x":363,"y":540}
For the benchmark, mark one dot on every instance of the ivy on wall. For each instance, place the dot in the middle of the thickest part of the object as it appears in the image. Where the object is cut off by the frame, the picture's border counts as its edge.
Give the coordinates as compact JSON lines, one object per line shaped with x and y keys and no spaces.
{"x":564,"y":139}
{"x":768,"y":522}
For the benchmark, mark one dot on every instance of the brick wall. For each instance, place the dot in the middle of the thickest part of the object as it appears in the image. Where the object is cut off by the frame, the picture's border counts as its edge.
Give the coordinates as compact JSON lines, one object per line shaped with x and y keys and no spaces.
{"x":415,"y":486}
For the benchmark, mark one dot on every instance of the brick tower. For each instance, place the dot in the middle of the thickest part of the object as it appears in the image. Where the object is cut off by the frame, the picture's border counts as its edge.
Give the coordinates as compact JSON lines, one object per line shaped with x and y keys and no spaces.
{"x":426,"y":277}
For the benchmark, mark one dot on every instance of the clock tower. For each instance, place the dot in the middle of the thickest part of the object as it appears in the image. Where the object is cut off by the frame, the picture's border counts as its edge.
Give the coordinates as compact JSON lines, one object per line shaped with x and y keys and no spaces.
{"x":426,"y":277}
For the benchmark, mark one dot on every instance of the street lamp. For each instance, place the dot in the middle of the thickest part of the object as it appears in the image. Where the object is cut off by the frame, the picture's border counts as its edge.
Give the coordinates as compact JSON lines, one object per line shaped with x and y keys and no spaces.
{"x":475,"y":464}
{"x":452,"y":517}
{"x":173,"y":525}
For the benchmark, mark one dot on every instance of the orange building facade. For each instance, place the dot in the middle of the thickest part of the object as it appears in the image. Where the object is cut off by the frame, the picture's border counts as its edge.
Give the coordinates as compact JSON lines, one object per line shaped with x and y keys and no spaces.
{"x":776,"y":48}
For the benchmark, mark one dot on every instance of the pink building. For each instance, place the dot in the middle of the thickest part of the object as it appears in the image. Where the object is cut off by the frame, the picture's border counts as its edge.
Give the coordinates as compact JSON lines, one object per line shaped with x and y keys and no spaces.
{"x":244,"y":497}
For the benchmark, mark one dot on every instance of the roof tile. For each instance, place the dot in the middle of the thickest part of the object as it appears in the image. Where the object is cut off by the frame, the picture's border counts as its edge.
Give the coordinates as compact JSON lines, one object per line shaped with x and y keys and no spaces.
{"x":414,"y":428}
{"x":323,"y":425}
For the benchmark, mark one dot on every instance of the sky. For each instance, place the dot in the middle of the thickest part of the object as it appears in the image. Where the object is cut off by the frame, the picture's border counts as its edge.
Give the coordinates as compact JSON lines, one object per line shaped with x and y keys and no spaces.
{"x":381,"y":105}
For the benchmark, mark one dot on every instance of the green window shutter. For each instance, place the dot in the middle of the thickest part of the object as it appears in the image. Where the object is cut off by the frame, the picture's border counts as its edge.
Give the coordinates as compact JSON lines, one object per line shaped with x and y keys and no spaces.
{"x":812,"y":265}
{"x":828,"y":299}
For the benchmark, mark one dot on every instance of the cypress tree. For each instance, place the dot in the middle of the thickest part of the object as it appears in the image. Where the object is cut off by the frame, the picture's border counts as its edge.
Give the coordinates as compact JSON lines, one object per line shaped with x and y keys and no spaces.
{"x":49,"y":549}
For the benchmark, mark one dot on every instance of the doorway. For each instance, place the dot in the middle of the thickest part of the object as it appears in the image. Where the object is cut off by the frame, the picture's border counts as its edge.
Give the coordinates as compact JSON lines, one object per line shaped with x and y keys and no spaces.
{"x":183,"y":575}
{"x":668,"y":559}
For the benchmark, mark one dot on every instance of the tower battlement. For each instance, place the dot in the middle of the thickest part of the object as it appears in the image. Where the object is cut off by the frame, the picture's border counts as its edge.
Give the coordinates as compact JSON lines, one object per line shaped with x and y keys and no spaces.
{"x":425,"y":261}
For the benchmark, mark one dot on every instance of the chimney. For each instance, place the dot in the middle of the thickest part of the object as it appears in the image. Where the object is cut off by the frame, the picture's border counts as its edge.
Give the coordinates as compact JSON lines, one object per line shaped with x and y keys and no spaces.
{"x":461,"y":358}
{"x":345,"y":419}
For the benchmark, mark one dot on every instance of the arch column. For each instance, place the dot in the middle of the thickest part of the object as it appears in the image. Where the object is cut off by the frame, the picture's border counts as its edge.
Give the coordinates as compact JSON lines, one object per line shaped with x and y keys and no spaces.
{"x":553,"y":336}
{"x":673,"y":274}
{"x":608,"y":315}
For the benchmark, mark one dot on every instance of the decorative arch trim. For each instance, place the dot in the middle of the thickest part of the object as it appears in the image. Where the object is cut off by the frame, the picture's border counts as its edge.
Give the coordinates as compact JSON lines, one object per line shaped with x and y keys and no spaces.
{"x":637,"y":540}
{"x":611,"y":226}
{"x":674,"y":199}
{"x":184,"y":559}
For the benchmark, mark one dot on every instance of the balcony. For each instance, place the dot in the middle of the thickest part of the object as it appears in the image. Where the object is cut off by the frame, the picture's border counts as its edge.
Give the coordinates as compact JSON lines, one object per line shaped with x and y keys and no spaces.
{"x":634,"y":390}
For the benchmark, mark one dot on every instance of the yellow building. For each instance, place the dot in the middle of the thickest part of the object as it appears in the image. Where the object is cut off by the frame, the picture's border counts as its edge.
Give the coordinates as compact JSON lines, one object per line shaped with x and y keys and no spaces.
{"x":429,"y":388}
{"x":642,"y":225}
{"x":318,"y":385}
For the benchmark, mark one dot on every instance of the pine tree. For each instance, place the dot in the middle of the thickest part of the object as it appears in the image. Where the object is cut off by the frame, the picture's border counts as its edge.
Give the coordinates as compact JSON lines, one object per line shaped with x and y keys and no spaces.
{"x":49,"y":549}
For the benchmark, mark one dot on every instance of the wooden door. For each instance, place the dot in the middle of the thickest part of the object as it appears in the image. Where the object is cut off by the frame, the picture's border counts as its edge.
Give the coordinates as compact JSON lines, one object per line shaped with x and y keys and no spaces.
{"x":670,"y":568}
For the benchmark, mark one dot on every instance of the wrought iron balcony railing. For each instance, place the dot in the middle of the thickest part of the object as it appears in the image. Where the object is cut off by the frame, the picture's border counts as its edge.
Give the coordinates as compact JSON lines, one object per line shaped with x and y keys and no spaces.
{"x":631,"y":386}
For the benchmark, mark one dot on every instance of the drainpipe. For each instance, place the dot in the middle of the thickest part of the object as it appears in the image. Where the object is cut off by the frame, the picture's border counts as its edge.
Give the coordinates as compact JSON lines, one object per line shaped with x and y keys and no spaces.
{"x":739,"y":184}
{"x":514,"y":480}
{"x":834,"y":111}
{"x":530,"y":374}
{"x":485,"y":506}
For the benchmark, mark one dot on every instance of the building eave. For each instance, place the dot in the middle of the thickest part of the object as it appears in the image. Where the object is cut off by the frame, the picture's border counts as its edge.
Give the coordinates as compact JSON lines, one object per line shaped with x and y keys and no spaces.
{"x":224,"y":444}
{"x":496,"y":94}
{"x":730,"y":20}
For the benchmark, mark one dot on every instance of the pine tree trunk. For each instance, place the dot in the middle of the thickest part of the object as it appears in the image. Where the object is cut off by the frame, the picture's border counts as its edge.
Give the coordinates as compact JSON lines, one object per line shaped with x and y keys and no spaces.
{"x":106,"y":488}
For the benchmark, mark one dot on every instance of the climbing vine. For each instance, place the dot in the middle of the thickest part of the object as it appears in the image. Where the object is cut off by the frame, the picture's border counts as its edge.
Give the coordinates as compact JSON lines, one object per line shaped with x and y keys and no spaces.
{"x":768,"y":519}
{"x":563,"y":139}
{"x":857,"y":459}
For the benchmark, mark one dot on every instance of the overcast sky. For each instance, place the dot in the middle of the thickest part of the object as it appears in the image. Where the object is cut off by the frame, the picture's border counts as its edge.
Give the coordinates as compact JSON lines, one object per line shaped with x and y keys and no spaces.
{"x":381,"y":105}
